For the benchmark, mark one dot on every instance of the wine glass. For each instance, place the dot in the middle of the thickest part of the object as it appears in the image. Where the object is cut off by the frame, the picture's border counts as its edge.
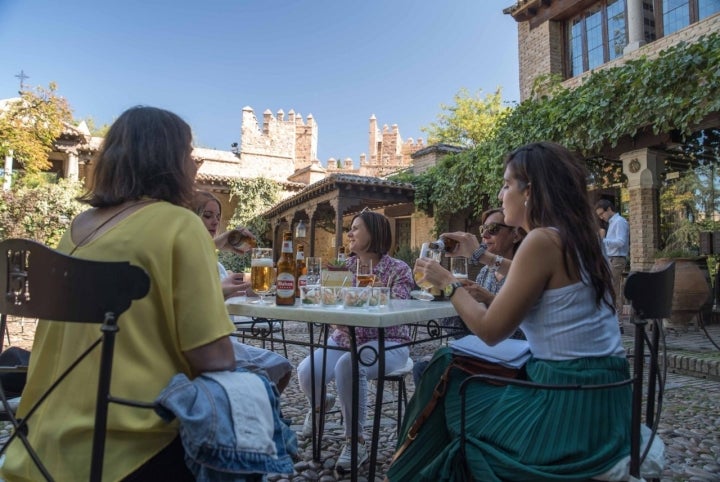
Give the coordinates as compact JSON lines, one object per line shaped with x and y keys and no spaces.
{"x":424,"y":294}
{"x":262,"y":275}
{"x":364,"y":275}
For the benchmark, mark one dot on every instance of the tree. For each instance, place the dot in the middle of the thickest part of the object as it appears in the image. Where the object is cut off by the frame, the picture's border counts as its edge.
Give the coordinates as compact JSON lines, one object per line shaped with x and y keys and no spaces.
{"x":30,"y":125}
{"x":94,"y":129}
{"x":469,"y":121}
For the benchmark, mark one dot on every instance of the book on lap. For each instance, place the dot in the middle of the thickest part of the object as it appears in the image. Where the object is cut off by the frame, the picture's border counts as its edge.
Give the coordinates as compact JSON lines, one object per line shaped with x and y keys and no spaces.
{"x":510,"y":353}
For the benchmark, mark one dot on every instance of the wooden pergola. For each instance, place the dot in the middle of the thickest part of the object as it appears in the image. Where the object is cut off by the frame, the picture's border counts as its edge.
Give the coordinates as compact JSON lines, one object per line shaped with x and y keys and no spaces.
{"x":328,"y":201}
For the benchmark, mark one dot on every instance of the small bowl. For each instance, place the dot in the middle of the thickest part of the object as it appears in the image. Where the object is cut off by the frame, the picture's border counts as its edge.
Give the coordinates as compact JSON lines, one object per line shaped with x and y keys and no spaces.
{"x":355,"y":297}
{"x":379,"y":297}
{"x":310,"y":296}
{"x":331,"y":296}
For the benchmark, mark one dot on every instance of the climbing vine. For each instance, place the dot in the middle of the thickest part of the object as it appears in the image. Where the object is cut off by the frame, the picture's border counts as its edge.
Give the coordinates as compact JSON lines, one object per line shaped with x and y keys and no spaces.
{"x":672,"y":92}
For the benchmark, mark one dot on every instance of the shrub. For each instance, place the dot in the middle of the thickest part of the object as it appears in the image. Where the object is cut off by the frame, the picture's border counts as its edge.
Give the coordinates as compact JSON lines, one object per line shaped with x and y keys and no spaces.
{"x":42,"y":212}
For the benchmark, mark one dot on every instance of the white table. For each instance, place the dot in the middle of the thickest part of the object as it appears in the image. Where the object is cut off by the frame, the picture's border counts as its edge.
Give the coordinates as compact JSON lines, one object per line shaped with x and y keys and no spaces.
{"x":399,"y":312}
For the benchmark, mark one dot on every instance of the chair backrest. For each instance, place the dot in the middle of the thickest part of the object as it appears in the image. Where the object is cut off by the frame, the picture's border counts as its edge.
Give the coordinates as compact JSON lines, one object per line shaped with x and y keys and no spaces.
{"x":650,"y":292}
{"x":39,"y":282}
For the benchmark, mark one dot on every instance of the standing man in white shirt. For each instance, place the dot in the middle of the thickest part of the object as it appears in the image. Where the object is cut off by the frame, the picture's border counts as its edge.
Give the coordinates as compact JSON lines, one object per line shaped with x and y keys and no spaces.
{"x":617,"y":245}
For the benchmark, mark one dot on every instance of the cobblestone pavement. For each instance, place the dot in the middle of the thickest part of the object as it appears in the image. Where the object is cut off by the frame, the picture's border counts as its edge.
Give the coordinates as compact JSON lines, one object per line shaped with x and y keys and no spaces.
{"x":690,"y":422}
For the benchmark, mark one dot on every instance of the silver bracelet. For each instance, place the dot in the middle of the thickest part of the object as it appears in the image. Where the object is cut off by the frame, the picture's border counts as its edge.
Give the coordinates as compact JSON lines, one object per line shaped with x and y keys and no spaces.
{"x":477,"y":254}
{"x":498,"y":262}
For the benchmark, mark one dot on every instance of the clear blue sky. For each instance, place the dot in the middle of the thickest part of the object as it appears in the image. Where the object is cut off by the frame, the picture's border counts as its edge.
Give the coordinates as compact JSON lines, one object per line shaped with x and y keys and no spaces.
{"x":205,"y":60}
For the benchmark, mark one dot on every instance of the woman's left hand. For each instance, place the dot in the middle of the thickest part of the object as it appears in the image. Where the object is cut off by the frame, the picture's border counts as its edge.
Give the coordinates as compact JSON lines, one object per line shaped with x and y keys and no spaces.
{"x":233,"y":285}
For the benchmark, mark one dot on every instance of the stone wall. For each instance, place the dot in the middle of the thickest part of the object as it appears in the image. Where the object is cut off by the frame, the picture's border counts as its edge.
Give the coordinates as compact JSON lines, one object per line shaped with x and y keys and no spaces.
{"x":280,"y":146}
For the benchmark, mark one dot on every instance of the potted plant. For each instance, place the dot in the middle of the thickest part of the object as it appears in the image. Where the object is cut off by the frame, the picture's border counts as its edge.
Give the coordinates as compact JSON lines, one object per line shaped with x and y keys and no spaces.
{"x":692,"y":290}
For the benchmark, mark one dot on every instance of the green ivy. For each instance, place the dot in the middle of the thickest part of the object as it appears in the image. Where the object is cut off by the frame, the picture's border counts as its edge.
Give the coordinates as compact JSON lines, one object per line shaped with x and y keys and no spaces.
{"x":254,"y":197}
{"x":672,"y":92}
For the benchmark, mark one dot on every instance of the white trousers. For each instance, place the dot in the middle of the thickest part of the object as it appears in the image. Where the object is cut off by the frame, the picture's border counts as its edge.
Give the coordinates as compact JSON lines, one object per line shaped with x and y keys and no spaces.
{"x":339,"y":368}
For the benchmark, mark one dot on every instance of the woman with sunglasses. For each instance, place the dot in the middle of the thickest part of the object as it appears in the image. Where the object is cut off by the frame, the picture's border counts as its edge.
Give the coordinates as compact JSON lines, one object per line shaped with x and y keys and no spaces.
{"x":559,"y":291}
{"x":499,"y":238}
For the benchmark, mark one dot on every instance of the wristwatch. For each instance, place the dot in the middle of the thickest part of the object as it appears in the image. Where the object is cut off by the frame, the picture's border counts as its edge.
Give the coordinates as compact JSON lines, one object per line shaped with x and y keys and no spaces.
{"x":449,"y":290}
{"x":477,"y":254}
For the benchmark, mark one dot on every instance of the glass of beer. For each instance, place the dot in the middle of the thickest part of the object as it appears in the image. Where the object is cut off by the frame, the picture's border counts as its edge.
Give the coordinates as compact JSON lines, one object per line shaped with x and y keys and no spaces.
{"x":424,"y":293}
{"x":364,"y":275}
{"x":459,"y":267}
{"x":262,"y":272}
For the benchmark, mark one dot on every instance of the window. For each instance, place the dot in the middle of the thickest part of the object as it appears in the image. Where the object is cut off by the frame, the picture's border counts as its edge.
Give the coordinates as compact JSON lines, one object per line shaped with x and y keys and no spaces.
{"x":674,"y":15}
{"x":596,"y":36}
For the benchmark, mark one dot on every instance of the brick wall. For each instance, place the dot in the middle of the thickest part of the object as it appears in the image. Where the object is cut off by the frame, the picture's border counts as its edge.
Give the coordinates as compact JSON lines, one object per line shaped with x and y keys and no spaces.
{"x":642,"y":217}
{"x":540,"y":53}
{"x":542,"y":50}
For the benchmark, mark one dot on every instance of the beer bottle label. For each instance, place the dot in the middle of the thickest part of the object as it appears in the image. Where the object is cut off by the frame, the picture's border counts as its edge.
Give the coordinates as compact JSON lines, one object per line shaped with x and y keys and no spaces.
{"x":285,"y":285}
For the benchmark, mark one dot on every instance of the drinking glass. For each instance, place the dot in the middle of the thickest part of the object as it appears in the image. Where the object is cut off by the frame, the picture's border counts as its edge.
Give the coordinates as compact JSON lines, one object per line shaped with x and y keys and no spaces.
{"x":364,"y":274}
{"x":459,"y":267}
{"x":262,"y":272}
{"x":314,"y":269}
{"x":425,"y":252}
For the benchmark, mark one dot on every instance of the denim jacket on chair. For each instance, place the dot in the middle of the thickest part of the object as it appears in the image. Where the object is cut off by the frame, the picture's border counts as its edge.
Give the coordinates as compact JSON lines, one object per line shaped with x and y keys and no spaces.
{"x":230,"y":425}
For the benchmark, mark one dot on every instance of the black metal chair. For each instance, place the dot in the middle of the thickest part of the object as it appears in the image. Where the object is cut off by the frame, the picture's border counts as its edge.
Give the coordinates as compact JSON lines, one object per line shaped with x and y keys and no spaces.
{"x":39,"y":282}
{"x":650,"y":294}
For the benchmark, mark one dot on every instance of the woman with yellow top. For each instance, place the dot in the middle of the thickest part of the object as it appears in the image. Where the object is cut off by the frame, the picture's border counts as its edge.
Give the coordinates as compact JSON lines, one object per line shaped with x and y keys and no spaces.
{"x":142,"y":184}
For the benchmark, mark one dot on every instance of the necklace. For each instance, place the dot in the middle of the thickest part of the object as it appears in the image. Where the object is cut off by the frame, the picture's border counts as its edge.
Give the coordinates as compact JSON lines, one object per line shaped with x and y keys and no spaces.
{"x":118,"y":213}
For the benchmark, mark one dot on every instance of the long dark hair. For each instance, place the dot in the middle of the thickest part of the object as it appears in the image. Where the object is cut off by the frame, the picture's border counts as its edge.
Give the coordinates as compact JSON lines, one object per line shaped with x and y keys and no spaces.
{"x":146,"y":153}
{"x":559,"y":198}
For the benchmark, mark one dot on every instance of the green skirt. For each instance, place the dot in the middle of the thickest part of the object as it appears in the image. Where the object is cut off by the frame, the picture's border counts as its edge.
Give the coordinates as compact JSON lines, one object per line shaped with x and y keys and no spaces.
{"x":517,"y":433}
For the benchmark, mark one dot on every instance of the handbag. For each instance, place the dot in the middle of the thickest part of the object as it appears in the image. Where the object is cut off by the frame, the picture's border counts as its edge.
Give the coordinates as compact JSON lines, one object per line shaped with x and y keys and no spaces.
{"x":469,"y":365}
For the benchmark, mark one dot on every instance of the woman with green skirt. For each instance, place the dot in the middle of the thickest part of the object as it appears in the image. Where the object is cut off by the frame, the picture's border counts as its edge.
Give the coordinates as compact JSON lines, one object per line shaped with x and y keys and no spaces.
{"x":558,"y":290}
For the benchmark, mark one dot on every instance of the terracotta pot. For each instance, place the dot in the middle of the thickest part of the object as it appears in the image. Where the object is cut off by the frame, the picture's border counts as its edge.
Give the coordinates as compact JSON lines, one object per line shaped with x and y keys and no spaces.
{"x":691,"y":291}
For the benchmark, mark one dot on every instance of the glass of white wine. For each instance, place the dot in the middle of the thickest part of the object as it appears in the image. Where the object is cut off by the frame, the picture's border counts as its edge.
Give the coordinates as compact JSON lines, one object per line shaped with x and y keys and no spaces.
{"x":424,"y":294}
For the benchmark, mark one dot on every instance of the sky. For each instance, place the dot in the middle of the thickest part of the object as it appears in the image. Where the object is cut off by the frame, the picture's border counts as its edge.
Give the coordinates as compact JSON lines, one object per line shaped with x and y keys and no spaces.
{"x":205,"y":60}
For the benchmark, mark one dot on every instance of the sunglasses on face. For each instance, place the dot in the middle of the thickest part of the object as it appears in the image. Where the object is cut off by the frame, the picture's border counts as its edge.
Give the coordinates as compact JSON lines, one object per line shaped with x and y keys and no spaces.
{"x":492,"y":228}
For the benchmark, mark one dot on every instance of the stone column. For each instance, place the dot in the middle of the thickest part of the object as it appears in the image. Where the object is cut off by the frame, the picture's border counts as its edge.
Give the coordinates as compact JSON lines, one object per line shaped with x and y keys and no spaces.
{"x":642,"y":168}
{"x":636,"y":25}
{"x":72,"y":167}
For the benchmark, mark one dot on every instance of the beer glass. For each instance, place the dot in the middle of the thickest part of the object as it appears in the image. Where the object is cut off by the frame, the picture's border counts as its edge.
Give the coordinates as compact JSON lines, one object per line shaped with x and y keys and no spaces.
{"x":424,"y":294}
{"x":459,"y":267}
{"x":262,"y":272}
{"x":364,"y":274}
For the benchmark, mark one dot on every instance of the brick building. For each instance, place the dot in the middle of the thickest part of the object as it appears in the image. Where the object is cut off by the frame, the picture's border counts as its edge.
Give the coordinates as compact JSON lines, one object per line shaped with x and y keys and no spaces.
{"x":573,"y":38}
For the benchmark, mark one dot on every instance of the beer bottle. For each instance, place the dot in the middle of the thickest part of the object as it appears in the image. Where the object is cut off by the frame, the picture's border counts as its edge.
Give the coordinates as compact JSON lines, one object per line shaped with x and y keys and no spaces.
{"x":285,"y":282}
{"x":341,"y":253}
{"x":300,"y":270}
{"x":241,"y":241}
{"x":444,"y":244}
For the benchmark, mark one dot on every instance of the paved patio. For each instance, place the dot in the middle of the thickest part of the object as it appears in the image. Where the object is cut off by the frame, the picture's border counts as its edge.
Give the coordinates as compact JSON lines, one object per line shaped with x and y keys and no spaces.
{"x":689,"y":423}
